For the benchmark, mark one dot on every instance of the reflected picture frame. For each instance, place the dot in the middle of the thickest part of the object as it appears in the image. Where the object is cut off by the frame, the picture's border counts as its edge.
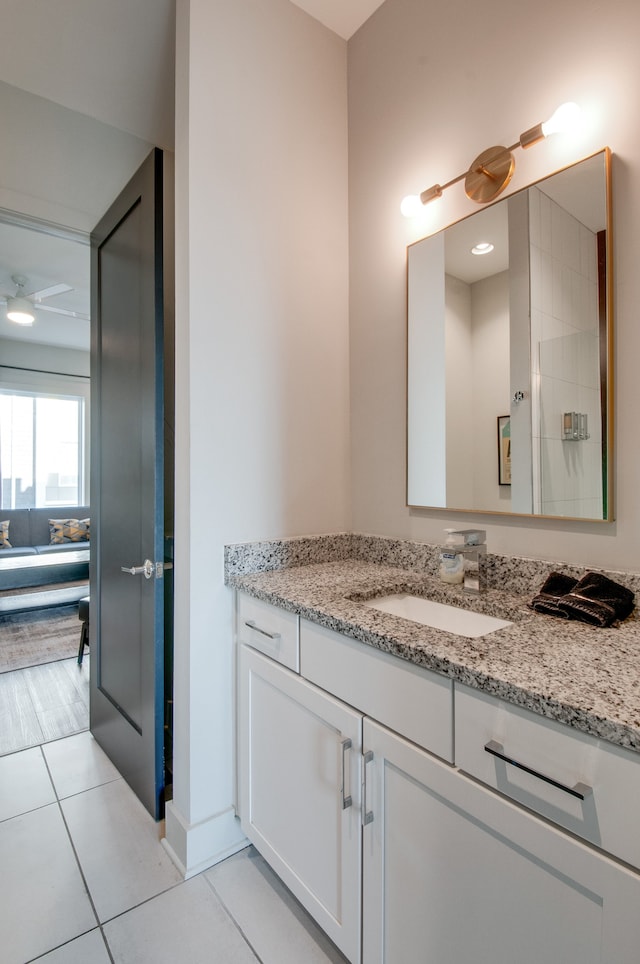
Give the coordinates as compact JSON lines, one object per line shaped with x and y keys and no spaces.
{"x":504,"y":449}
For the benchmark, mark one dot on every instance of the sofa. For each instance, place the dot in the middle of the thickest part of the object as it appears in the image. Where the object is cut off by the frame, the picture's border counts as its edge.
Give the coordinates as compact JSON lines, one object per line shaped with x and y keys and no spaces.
{"x":30,"y":535}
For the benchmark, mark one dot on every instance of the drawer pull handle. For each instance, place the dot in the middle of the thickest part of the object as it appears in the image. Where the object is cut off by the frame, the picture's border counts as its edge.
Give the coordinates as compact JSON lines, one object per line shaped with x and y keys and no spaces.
{"x":346,"y":798}
{"x":367,"y":815}
{"x":580,"y":790}
{"x":251,"y":624}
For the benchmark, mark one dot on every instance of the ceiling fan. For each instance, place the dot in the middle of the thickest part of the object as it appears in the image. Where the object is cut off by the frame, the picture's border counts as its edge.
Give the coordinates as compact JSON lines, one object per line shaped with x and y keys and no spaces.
{"x":20,"y":306}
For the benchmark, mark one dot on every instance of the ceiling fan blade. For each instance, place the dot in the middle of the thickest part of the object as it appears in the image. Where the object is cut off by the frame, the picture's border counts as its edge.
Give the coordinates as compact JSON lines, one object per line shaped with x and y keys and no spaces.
{"x":49,"y":292}
{"x":62,"y":311}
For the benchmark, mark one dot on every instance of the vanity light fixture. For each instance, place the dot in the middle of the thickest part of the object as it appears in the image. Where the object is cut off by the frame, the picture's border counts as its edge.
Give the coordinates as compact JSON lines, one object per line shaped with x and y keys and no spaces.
{"x":491,"y":171}
{"x":484,"y":247}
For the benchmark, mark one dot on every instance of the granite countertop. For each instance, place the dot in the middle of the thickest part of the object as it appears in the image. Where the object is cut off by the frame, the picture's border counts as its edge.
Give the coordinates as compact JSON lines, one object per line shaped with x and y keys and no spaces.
{"x":579,"y":675}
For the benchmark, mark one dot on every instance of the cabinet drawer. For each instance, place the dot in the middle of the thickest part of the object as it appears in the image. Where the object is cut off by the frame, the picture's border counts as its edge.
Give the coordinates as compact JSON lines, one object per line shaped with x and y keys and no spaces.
{"x":404,"y":697}
{"x":270,"y":630}
{"x":607,"y":777}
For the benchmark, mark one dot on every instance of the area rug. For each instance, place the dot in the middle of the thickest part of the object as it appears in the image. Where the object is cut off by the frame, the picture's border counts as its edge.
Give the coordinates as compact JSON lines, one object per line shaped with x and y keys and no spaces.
{"x":38,"y":636}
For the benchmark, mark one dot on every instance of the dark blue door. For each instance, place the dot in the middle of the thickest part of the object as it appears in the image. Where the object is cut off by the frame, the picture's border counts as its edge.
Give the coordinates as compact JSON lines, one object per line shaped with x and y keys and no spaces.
{"x":127,"y":625}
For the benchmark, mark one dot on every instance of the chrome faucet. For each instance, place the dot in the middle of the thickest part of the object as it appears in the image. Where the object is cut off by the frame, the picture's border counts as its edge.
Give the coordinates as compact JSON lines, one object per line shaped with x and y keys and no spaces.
{"x":475,"y":568}
{"x":473,"y":550}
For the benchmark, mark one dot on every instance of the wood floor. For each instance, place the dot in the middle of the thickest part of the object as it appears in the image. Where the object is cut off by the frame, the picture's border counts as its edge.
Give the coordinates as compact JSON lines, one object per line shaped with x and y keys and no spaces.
{"x":43,"y":703}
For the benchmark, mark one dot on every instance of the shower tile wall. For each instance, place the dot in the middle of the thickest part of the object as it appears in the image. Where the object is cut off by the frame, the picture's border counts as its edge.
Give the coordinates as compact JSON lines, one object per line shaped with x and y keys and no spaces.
{"x":564,"y":360}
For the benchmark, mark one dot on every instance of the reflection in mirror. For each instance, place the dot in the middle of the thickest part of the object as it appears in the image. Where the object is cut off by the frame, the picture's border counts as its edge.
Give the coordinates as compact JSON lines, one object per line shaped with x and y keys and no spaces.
{"x":508,"y":371}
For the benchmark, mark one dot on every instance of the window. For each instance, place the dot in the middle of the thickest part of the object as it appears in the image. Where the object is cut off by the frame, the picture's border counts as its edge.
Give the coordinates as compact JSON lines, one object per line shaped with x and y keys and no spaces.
{"x":42,"y":449}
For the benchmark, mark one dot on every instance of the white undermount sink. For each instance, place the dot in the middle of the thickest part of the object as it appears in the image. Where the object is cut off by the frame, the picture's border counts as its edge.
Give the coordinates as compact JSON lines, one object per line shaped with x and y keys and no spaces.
{"x":462,"y":622}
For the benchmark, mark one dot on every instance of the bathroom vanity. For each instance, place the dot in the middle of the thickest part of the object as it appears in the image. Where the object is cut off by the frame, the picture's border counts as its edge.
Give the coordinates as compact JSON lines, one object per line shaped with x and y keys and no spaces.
{"x":430,"y":797}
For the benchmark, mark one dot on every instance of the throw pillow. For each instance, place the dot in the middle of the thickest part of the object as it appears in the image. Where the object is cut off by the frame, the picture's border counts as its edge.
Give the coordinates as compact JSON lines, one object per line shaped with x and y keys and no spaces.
{"x":4,"y":535}
{"x":68,"y":530}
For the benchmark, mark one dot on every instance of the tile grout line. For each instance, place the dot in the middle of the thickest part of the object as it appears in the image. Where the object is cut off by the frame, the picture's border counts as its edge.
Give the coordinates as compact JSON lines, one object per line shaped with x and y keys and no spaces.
{"x":100,"y":924}
{"x":232,"y":918}
{"x":77,"y":858}
{"x":58,"y":947}
{"x":147,"y":900}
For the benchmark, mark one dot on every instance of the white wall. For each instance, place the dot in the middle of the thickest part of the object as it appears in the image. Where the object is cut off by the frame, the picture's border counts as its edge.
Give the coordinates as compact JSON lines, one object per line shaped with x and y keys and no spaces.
{"x":46,"y":358}
{"x":459,"y":397}
{"x":458,"y":332}
{"x":426,"y":375}
{"x":262,"y":419}
{"x":110,"y":61}
{"x":426,"y":95}
{"x":477,"y":323}
{"x":490,"y":387}
{"x":59,"y":165}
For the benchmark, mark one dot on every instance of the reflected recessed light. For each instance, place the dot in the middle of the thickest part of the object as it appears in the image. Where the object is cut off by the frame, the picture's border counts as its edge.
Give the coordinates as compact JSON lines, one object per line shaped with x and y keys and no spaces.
{"x":483,"y":248}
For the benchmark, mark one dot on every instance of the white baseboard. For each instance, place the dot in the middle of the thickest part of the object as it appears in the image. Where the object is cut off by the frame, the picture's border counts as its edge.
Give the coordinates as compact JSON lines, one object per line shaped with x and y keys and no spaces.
{"x":195,"y":847}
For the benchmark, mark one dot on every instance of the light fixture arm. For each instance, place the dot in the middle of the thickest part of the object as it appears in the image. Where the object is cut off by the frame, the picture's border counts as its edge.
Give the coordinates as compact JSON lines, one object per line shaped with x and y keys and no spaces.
{"x":437,"y":189}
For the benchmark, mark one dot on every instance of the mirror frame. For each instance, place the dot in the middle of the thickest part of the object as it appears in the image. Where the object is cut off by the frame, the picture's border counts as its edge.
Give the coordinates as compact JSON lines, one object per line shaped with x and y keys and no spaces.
{"x":608,"y":447}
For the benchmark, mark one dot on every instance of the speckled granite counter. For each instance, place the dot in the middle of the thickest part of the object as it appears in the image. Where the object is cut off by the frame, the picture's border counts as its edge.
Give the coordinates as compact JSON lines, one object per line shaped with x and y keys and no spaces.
{"x":584,"y":677}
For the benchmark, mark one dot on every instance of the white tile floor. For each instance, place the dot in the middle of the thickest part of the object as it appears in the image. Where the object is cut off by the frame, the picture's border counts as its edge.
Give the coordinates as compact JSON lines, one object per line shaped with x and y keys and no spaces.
{"x":85,"y":879}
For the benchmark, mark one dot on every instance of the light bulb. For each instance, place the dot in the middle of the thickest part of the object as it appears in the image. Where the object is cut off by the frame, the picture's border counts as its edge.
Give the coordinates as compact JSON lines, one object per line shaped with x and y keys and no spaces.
{"x":563,"y":119}
{"x":411,"y":206}
{"x":19,"y":310}
{"x":20,"y":317}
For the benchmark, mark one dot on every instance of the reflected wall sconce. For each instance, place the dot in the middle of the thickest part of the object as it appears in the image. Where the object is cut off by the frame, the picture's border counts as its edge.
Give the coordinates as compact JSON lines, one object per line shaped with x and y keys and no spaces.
{"x":20,"y":309}
{"x":491,"y":171}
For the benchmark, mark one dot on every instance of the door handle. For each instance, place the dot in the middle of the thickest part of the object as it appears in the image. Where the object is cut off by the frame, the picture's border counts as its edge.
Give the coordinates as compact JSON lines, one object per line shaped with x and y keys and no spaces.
{"x":148,"y":568}
{"x":346,"y":797}
{"x":580,"y":790}
{"x":367,"y":815}
{"x":251,"y":624}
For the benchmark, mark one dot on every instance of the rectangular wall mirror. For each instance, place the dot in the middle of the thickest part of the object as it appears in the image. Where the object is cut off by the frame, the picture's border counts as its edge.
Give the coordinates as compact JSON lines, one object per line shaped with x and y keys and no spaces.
{"x":509,"y":368}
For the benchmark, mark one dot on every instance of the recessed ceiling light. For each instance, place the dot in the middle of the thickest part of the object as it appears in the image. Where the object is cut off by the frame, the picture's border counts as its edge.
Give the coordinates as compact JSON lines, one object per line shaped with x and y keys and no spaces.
{"x":484,"y":247}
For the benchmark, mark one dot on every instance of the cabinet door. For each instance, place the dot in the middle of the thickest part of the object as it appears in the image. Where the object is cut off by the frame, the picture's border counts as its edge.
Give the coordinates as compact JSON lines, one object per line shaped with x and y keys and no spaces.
{"x":453,"y":873}
{"x":297,"y":773}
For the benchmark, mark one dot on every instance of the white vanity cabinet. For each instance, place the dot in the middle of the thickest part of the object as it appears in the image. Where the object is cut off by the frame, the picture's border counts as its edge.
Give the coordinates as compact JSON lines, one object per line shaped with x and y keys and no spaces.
{"x":454,"y":873}
{"x":300,"y":752}
{"x":353,"y":790}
